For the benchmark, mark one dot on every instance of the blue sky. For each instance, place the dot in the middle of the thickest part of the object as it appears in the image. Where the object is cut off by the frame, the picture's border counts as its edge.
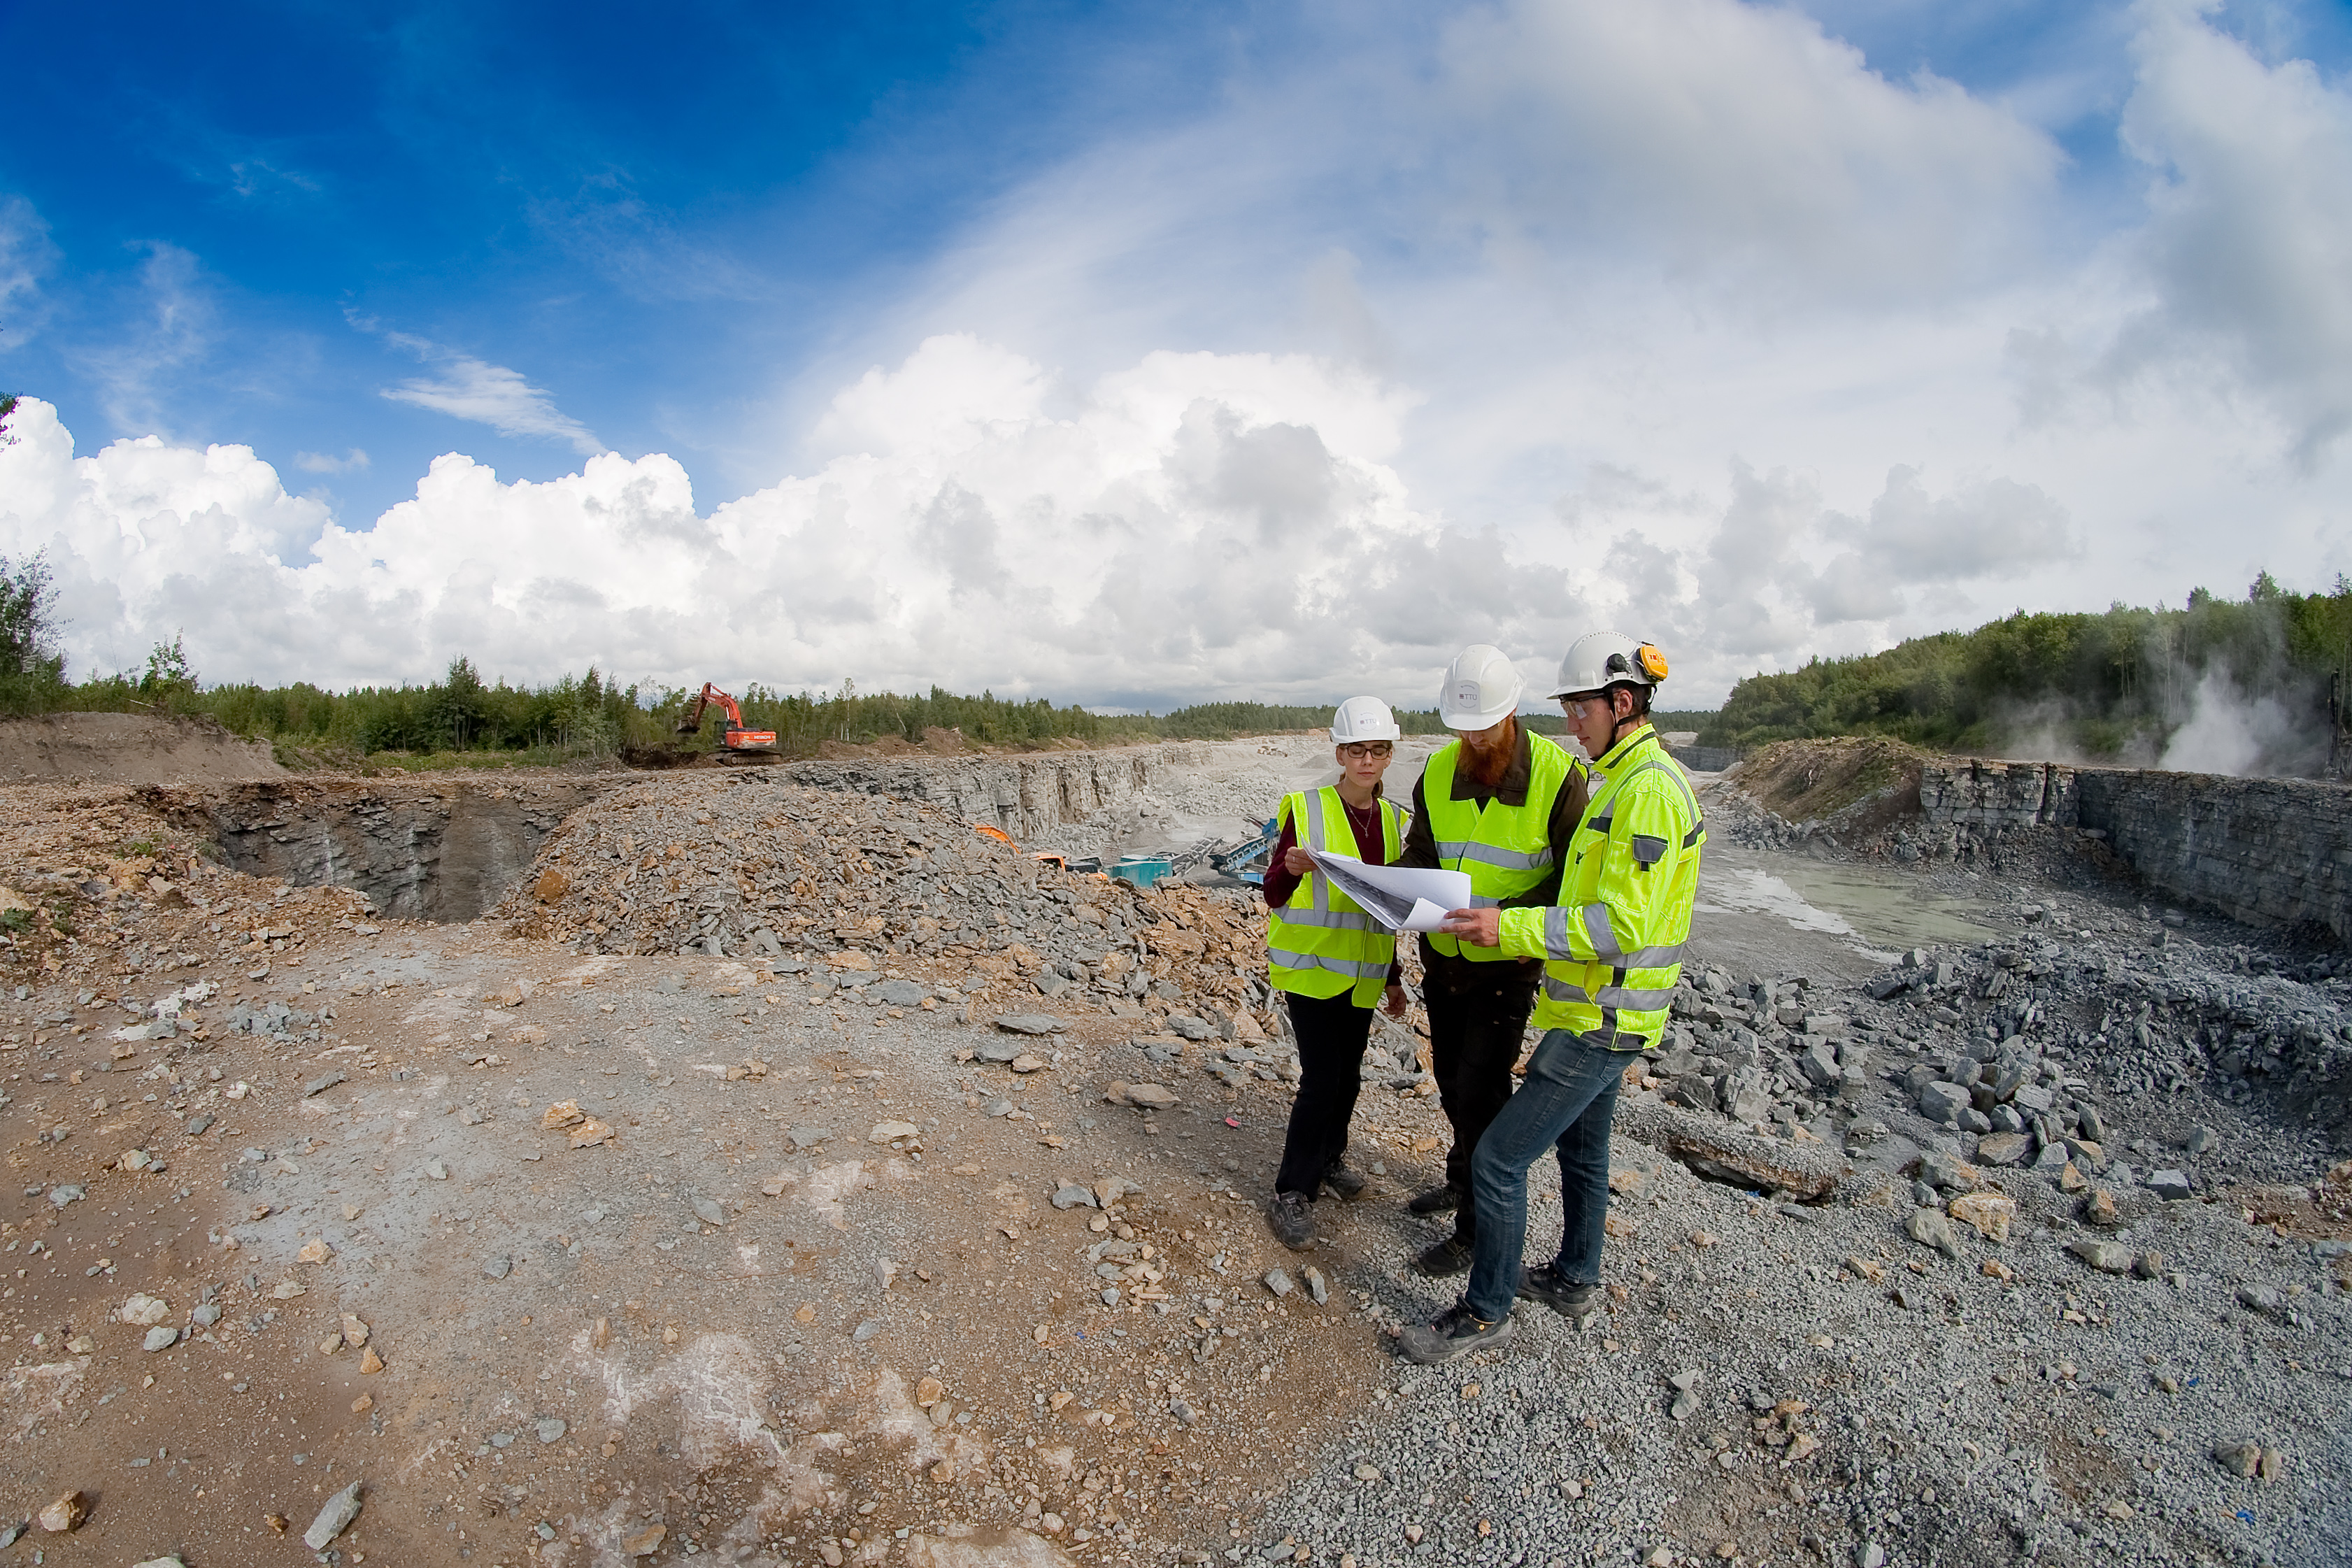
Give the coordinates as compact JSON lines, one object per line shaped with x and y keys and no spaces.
{"x":654,"y":221}
{"x":932,"y":339}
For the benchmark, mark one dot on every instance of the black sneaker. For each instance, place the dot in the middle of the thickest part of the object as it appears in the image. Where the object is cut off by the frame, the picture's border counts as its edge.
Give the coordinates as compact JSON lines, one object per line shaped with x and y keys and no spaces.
{"x":1287,"y":1216}
{"x":1456,"y":1330}
{"x":1438,"y":1200}
{"x":1451,"y":1256}
{"x":1344,"y":1182}
{"x":1578,"y":1303}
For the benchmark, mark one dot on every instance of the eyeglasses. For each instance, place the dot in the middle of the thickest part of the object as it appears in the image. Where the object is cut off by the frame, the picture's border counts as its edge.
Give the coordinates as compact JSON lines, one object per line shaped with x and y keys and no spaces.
{"x":1357,"y":752}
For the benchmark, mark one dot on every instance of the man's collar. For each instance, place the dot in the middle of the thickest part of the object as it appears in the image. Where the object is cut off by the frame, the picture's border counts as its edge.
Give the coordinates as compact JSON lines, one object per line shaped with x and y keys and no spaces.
{"x":1617,"y":753}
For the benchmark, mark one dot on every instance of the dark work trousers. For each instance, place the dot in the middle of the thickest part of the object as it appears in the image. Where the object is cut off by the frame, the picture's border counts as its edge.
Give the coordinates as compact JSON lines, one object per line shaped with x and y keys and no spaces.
{"x":1332,"y":1033}
{"x":1477,"y":1021}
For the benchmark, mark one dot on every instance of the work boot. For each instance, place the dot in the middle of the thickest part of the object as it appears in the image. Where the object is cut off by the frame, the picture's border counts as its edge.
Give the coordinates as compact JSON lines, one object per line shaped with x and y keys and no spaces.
{"x":1456,"y":1330}
{"x":1438,"y":1200}
{"x":1577,"y":1303}
{"x":1343,"y":1182}
{"x":1287,"y":1216}
{"x":1451,"y":1256}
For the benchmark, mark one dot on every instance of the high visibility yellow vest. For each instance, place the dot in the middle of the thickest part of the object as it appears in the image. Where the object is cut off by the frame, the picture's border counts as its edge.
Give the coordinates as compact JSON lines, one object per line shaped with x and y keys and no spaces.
{"x":1613,"y":946}
{"x":1506,"y":849}
{"x":1322,"y":941}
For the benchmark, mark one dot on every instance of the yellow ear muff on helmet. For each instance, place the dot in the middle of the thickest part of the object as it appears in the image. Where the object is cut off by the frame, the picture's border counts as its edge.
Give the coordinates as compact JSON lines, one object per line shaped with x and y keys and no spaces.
{"x":1652,"y":662}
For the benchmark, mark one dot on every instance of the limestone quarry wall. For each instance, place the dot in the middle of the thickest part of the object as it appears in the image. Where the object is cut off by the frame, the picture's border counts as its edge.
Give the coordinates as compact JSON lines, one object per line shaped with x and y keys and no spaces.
{"x":2266,"y":851}
{"x":440,"y":850}
{"x":1025,"y":796}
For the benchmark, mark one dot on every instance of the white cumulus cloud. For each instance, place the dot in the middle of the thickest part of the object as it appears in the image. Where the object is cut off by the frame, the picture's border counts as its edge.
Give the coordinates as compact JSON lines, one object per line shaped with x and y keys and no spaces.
{"x":1171,"y":533}
{"x":1192,"y":526}
{"x":491,"y":394}
{"x":2249,"y":241}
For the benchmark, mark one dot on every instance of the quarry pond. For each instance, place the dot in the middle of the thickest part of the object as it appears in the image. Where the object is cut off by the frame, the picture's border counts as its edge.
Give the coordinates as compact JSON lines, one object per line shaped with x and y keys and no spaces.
{"x":1879,"y":910}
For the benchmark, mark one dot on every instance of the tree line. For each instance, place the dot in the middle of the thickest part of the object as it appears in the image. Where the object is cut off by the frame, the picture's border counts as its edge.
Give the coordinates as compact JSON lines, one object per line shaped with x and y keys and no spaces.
{"x":2115,"y":685}
{"x":588,"y":714}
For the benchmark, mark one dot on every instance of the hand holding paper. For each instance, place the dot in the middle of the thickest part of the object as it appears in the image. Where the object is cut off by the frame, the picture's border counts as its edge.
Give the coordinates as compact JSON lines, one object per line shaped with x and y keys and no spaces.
{"x":1402,"y":897}
{"x":1479,"y":928}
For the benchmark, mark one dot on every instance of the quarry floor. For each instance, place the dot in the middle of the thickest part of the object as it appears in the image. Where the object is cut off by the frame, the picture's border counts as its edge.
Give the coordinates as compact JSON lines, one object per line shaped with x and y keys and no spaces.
{"x":756,"y":1324}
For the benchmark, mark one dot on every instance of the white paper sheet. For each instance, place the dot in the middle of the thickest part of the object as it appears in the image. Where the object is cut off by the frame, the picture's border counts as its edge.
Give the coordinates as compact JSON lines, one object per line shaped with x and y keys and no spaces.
{"x":1402,"y":897}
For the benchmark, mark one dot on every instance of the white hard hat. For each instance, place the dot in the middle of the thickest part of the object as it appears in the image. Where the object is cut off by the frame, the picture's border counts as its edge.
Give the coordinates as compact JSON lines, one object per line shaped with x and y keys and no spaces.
{"x":1364,"y":719}
{"x":1482,"y":689}
{"x":1600,"y":660}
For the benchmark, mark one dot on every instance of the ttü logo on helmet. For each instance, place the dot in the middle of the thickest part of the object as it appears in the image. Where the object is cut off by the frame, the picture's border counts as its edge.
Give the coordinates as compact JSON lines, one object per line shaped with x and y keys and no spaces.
{"x":1465,"y":694}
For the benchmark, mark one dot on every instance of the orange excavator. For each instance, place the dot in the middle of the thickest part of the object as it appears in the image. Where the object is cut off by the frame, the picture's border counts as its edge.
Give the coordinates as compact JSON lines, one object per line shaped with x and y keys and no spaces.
{"x":738,"y":741}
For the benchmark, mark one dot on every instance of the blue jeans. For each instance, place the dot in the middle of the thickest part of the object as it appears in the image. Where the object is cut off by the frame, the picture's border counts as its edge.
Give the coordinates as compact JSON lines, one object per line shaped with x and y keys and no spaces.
{"x":1565,"y":1105}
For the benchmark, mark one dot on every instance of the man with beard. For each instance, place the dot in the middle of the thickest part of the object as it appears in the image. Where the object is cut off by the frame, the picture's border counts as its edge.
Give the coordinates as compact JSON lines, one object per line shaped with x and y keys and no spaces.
{"x":1501,"y":803}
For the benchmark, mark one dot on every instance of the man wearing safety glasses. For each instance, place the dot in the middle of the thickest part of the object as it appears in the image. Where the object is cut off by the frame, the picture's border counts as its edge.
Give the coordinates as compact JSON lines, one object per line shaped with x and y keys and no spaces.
{"x":1612,"y":950}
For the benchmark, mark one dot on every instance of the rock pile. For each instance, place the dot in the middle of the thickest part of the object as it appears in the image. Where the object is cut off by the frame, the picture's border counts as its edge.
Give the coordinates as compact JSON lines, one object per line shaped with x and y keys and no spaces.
{"x":751,"y":866}
{"x":2025,"y":1046}
{"x":101,"y":888}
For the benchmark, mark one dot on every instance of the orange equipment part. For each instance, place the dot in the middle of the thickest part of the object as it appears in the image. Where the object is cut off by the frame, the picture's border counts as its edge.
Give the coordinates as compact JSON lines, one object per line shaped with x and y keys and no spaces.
{"x":736,"y":738}
{"x":996,"y":833}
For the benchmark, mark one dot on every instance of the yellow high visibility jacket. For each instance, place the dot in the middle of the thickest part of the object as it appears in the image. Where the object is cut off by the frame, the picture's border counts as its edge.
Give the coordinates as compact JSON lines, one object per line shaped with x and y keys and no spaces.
{"x":1506,"y":849}
{"x":1322,"y":941}
{"x":1612,"y":947}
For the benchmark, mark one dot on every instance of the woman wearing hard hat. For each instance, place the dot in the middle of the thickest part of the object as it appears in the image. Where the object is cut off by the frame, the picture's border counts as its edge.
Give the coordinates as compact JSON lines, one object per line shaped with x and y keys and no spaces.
{"x":1333,"y":961}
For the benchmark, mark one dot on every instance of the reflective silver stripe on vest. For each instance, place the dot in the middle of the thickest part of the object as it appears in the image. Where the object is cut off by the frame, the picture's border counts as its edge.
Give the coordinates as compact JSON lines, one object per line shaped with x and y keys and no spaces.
{"x":1608,"y":997}
{"x":1333,"y":920}
{"x":1556,"y":938}
{"x":1597,"y":932}
{"x":1487,"y":855}
{"x":1557,"y":935}
{"x":1310,"y":807}
{"x":1481,"y":901}
{"x":1347,"y":966}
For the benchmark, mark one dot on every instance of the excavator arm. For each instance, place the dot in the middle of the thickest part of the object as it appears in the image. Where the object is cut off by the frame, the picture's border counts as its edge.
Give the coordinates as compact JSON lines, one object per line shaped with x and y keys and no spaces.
{"x":692,"y":723}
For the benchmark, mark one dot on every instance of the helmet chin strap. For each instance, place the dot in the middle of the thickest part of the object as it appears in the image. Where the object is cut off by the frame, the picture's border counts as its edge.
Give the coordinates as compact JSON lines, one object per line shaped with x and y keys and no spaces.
{"x":1617,"y":725}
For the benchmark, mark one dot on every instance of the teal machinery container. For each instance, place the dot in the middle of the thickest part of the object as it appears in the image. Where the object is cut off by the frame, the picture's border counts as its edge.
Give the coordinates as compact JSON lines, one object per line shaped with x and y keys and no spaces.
{"x":1143,"y":870}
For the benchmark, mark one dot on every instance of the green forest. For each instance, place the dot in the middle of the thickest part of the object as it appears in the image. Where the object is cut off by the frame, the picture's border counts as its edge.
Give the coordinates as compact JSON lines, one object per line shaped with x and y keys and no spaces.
{"x":2117,"y":685}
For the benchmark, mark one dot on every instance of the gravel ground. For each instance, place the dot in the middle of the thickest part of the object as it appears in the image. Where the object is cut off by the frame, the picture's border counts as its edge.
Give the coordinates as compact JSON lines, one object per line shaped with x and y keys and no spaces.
{"x":815,"y":1290}
{"x":1864,"y":1397}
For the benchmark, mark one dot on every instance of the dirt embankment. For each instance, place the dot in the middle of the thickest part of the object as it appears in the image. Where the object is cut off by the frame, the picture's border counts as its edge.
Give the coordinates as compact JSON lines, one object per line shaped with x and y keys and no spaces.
{"x":129,"y":748}
{"x":1809,"y":781}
